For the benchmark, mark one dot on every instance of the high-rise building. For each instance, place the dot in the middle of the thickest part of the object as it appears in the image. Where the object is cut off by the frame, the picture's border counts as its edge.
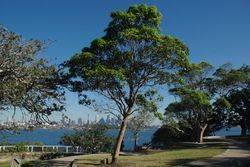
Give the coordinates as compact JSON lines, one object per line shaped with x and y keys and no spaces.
{"x":80,"y":122}
{"x":88,"y":121}
{"x":102,"y":121}
{"x":97,"y":118}
{"x":108,"y":120}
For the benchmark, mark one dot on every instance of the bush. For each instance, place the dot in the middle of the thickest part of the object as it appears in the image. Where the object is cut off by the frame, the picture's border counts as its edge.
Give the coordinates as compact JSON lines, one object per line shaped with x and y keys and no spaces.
{"x":21,"y":147}
{"x":48,"y":156}
{"x":18,"y":147}
{"x":92,"y":139}
{"x":166,"y":136}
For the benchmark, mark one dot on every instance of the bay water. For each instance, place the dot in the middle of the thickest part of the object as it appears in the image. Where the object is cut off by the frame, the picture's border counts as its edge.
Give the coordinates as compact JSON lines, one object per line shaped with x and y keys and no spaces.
{"x":52,"y":136}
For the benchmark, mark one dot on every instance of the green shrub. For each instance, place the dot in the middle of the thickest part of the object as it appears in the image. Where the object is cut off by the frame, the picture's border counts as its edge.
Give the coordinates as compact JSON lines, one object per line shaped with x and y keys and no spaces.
{"x":93,"y":139}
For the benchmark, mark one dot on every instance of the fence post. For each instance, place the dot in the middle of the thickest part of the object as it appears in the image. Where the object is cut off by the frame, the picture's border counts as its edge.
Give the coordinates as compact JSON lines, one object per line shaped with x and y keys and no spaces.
{"x":67,"y":149}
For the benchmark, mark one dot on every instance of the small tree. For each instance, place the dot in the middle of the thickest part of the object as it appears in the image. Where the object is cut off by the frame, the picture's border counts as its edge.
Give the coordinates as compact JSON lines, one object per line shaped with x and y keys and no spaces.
{"x":132,"y":57}
{"x":139,"y":122}
{"x":93,"y":139}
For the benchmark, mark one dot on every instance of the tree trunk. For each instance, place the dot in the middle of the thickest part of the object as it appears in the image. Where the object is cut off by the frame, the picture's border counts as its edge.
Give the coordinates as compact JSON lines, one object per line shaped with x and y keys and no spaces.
{"x":135,"y":144}
{"x":243,"y":126}
{"x":119,"y":139}
{"x":243,"y":131}
{"x":202,"y":133}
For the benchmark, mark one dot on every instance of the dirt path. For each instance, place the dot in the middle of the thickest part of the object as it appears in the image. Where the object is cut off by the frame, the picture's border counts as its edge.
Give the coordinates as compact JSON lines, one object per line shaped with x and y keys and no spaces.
{"x":4,"y":158}
{"x":237,"y":155}
{"x":64,"y":162}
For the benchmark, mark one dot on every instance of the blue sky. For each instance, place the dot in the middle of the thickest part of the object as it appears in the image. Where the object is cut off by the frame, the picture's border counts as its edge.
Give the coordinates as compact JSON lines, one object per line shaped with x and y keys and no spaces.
{"x":216,"y":31}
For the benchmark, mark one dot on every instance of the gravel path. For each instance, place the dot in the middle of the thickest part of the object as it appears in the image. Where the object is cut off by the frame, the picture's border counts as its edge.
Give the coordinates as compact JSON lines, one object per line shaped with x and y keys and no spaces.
{"x":237,"y":155}
{"x":65,"y":161}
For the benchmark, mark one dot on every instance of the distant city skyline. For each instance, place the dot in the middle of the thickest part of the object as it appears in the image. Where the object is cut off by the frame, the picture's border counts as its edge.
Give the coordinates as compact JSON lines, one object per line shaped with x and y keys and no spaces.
{"x":215,"y":31}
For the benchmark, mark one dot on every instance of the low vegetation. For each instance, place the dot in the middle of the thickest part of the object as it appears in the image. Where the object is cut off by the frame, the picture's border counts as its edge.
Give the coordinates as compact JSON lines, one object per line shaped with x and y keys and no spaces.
{"x":93,"y":139}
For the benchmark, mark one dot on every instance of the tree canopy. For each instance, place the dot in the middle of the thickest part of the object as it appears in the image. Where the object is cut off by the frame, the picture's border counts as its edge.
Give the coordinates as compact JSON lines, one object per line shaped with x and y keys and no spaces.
{"x":239,"y":110}
{"x":233,"y":86}
{"x":197,"y":100}
{"x":27,"y":82}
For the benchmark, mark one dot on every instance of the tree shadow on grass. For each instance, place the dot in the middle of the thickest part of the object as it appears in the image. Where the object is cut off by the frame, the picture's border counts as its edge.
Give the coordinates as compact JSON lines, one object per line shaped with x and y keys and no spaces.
{"x":216,"y":162}
{"x":88,"y":164}
{"x":183,"y":161}
{"x":46,"y":164}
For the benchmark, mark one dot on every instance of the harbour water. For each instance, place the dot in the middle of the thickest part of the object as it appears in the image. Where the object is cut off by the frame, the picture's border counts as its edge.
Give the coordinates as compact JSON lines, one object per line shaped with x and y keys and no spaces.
{"x":52,"y":136}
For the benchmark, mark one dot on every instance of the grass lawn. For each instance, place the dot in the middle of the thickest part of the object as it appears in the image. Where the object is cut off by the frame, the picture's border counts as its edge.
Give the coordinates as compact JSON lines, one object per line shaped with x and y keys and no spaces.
{"x":4,"y":164}
{"x":162,"y":158}
{"x":4,"y":159}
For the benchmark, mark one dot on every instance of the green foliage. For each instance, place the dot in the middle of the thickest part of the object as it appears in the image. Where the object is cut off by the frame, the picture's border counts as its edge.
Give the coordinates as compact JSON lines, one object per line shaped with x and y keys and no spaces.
{"x":227,"y":78}
{"x":240,"y":109}
{"x":18,"y":147}
{"x":194,"y":108}
{"x":21,"y":147}
{"x":204,"y":97}
{"x":26,"y":81}
{"x":147,"y":104}
{"x":168,"y":135}
{"x":93,"y":139}
{"x":233,"y":86}
{"x":132,"y":55}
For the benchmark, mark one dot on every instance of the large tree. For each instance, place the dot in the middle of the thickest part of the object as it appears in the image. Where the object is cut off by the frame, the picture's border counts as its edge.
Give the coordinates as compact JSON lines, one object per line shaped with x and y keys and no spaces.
{"x":204,"y":102}
{"x":132,"y":57}
{"x":239,"y":113}
{"x":197,"y":101}
{"x":233,"y":85}
{"x":27,"y":82}
{"x":193,"y":108}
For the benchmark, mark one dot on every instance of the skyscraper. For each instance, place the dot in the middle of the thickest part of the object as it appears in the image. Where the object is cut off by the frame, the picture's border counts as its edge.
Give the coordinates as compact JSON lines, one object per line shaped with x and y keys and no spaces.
{"x":97,"y":118}
{"x":80,"y":122}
